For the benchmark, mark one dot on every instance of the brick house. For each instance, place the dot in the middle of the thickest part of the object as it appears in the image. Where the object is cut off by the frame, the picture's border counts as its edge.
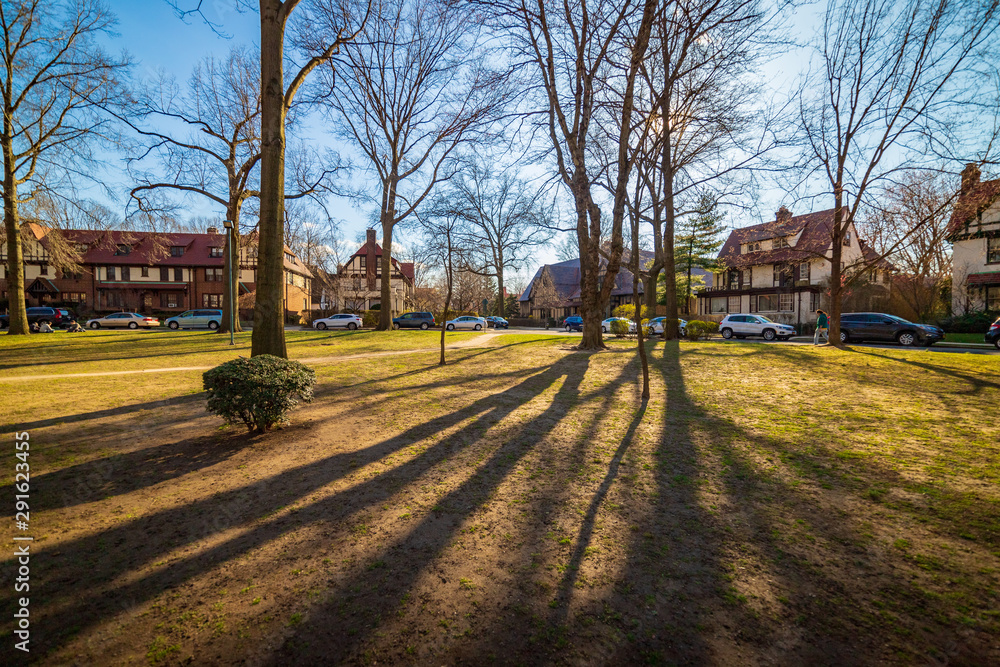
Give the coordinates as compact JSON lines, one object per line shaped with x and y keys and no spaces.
{"x":143,"y":271}
{"x":974,"y":232}
{"x":360,"y":279}
{"x":781,"y":268}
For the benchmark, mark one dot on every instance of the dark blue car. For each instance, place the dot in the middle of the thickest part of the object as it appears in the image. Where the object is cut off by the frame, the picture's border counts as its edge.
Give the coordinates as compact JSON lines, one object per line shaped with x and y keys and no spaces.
{"x":573,"y":323}
{"x":993,"y":335}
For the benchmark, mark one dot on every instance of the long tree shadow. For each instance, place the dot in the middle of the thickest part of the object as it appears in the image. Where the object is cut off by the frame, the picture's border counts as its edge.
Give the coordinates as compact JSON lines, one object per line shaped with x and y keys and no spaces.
{"x":79,"y":580}
{"x":111,"y":412}
{"x":328,"y":636}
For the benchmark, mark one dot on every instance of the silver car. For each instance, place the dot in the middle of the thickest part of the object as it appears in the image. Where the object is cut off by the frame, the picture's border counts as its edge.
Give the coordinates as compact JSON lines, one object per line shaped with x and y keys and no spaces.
{"x":741,"y":325}
{"x":654,"y":327}
{"x":196,"y":319}
{"x":466,"y":322}
{"x":129,"y":320}
{"x":340,"y":321}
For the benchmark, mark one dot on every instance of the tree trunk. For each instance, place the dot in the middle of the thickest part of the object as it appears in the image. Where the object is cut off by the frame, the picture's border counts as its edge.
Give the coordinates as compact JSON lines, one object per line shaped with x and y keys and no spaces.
{"x":269,"y":317}
{"x":388,"y":221}
{"x":18,"y":322}
{"x":837,"y":253}
{"x":670,"y":329}
{"x":636,"y":299}
{"x":232,"y":259}
{"x":447,"y":301}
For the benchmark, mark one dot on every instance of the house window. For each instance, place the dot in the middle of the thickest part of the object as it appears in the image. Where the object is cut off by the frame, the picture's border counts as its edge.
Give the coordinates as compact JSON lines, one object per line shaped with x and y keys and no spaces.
{"x":176,"y":251}
{"x":364,"y":261}
{"x":75,"y":297}
{"x":211,"y":300}
{"x":804,"y":271}
{"x":178,"y":274}
{"x":753,"y":246}
{"x":289,"y":278}
{"x":767,"y":303}
{"x":81,"y":247}
{"x":734,"y":304}
{"x":847,"y":238}
{"x":109,"y":273}
{"x":718,"y":304}
{"x":215,"y":251}
{"x":164,"y":274}
{"x":123,"y":249}
{"x":213,"y":275}
{"x":813,"y":301}
{"x":993,"y":250}
{"x":290,"y":258}
{"x":780,"y":242}
{"x":144,"y":271}
{"x":993,"y":298}
{"x":126,"y":274}
{"x":873,"y":276}
{"x":169,"y":300}
{"x":786,"y":302}
{"x":734,"y":280}
{"x":43,"y":270}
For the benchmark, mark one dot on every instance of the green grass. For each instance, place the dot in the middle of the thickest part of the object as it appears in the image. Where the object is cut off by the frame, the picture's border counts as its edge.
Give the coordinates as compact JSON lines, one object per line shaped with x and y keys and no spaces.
{"x":964,"y":338}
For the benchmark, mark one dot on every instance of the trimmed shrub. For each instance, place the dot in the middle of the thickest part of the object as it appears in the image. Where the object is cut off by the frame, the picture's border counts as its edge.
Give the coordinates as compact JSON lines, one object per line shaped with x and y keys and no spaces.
{"x":258,"y":391}
{"x":619,"y":328}
{"x":697,"y":329}
{"x":369,"y":319}
{"x":977,"y":322}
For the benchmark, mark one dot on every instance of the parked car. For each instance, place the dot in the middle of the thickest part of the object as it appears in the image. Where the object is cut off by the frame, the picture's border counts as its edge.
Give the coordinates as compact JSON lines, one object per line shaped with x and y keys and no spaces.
{"x":340,"y":321}
{"x":56,"y":317}
{"x":993,"y":335}
{"x":654,"y":327}
{"x":196,"y":319}
{"x":741,"y":325}
{"x":466,"y":322}
{"x":882,"y":327}
{"x":573,"y":323}
{"x":416,"y":320}
{"x":497,"y":322}
{"x":606,"y":324}
{"x":130,"y":320}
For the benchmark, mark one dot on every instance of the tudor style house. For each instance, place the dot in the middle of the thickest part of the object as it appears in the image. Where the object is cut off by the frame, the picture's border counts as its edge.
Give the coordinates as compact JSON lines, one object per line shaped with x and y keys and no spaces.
{"x":143,"y":271}
{"x":360,"y":279}
{"x":974,"y":232}
{"x":779,"y":268}
{"x":554,"y":291}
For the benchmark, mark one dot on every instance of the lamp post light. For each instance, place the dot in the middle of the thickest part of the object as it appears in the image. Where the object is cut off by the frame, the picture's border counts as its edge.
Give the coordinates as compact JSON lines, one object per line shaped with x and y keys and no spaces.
{"x":230,"y":245}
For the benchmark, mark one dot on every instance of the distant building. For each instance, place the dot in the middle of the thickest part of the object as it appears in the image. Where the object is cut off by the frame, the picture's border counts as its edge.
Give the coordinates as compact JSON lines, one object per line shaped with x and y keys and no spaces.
{"x":781,"y":268}
{"x":554,"y":291}
{"x":144,"y":271}
{"x":974,"y":232}
{"x":360,"y":279}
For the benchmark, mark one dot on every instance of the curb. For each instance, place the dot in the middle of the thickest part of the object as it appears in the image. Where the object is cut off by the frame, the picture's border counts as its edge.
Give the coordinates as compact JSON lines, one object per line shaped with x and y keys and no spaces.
{"x":940,"y":343}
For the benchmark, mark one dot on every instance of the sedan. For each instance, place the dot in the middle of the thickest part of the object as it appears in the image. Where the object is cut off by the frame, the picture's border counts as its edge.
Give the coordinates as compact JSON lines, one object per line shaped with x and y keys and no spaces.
{"x":130,"y":320}
{"x":654,"y":327}
{"x":497,"y":322}
{"x":341,"y":321}
{"x":466,"y":322}
{"x":606,"y":324}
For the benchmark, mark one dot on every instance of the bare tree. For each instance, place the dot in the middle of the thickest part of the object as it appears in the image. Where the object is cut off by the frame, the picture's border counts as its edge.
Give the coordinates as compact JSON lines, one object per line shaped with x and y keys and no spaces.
{"x":504,"y":219}
{"x":54,"y":78}
{"x":571,"y":47}
{"x":441,"y":231}
{"x":889,"y":75}
{"x":323,"y":27}
{"x":214,"y":150}
{"x":417,"y":88}
{"x":910,"y":228}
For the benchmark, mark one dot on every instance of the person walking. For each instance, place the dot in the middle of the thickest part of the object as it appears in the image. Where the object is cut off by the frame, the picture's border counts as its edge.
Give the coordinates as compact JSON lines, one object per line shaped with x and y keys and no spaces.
{"x":822,"y":327}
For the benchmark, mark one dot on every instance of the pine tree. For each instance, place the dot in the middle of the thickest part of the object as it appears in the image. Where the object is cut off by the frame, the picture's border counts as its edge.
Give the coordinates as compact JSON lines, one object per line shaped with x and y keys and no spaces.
{"x":697,"y":243}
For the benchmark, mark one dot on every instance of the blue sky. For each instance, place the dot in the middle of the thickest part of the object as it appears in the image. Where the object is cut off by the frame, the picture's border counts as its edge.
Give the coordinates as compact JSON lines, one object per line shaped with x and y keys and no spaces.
{"x":157,"y":38}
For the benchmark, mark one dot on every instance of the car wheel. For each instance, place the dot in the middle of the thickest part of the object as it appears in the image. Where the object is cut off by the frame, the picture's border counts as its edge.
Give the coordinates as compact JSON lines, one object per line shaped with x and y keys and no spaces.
{"x":451,"y":327}
{"x":321,"y":326}
{"x":907,"y":339}
{"x":727,"y":333}
{"x":769,"y":334}
{"x":424,"y":326}
{"x":604,"y":330}
{"x":352,"y":326}
{"x":174,"y":326}
{"x":213,"y":325}
{"x":395,"y":325}
{"x":133,"y":325}
{"x":845,"y":337}
{"x":479,"y":327}
{"x":683,"y":333}
{"x":95,"y":325}
{"x":996,"y":343}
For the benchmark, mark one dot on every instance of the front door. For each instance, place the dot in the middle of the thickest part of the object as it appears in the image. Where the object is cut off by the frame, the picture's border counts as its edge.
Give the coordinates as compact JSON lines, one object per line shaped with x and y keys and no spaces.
{"x":147,"y":302}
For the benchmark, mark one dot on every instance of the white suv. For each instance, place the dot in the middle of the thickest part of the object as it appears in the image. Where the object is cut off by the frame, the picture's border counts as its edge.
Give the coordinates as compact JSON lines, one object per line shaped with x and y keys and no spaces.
{"x":743,"y":325}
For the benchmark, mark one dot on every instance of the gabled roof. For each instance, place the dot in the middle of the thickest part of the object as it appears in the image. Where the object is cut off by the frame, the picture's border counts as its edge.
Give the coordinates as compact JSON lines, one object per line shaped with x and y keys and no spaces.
{"x":815,"y":240}
{"x":405,"y":268}
{"x":566,"y":280}
{"x":970,"y":204}
{"x":873,"y":260}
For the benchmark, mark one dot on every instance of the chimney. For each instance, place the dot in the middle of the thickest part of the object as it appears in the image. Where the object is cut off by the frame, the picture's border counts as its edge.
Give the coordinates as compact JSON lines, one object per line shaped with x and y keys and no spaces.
{"x":970,"y":178}
{"x":212,"y":230}
{"x":783,"y":215}
{"x":371,"y":237}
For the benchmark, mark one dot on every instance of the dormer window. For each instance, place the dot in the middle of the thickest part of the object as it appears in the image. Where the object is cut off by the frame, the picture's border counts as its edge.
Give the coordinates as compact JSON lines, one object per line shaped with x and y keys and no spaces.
{"x":215,"y":251}
{"x":753,"y":246}
{"x":847,"y":238}
{"x":82,"y":247}
{"x":123,"y":249}
{"x":176,"y":251}
{"x":780,"y":242}
{"x":290,"y":258}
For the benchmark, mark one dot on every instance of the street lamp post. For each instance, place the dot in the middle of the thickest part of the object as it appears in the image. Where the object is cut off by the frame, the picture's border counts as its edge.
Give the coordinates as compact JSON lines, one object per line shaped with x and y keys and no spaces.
{"x":230,"y":245}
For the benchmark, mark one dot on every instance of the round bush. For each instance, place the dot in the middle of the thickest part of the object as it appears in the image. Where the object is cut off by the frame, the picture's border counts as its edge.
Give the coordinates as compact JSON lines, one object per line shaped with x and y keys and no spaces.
{"x":697,"y":329}
{"x":619,"y":328}
{"x":258,"y":391}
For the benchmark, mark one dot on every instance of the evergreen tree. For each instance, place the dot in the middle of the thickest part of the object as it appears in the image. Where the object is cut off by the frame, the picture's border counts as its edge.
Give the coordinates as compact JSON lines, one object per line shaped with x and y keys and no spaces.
{"x":697,"y":244}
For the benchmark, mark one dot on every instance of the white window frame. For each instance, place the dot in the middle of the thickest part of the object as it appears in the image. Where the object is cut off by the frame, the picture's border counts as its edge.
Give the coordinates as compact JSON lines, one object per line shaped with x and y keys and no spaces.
{"x":786,"y":299}
{"x":729,"y":304}
{"x":772,"y":305}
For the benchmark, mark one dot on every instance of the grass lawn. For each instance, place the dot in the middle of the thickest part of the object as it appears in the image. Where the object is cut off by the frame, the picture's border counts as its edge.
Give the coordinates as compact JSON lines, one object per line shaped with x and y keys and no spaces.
{"x":964,"y":338}
{"x":768,"y":504}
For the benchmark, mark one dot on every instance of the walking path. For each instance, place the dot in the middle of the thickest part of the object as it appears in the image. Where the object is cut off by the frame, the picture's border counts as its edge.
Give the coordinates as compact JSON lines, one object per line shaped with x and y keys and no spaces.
{"x":472,"y":342}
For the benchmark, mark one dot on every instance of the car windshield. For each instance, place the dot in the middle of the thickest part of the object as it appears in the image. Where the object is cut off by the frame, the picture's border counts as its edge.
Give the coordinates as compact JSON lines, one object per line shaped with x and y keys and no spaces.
{"x":764,"y":319}
{"x":900,"y":320}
